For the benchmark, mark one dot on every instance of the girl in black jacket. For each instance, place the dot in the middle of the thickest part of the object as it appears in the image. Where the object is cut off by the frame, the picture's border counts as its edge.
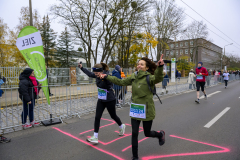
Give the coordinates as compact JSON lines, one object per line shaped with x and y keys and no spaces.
{"x":106,"y":99}
{"x":28,"y":92}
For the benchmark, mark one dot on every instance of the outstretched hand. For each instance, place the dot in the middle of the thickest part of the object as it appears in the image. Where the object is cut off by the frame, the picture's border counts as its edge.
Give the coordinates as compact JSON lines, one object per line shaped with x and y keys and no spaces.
{"x":160,"y":62}
{"x":80,"y":65}
{"x":102,"y":76}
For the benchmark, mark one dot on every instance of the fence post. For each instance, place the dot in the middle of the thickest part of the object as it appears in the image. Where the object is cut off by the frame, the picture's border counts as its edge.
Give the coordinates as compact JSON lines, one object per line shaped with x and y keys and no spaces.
{"x":73,"y":74}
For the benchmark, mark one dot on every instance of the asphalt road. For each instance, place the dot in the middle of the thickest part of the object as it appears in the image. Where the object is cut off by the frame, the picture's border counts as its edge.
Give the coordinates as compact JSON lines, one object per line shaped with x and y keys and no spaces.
{"x":179,"y":116}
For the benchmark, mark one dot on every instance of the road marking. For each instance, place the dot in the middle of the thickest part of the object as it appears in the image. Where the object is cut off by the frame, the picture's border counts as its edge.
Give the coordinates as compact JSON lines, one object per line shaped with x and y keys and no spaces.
{"x":209,"y":95}
{"x":209,"y":124}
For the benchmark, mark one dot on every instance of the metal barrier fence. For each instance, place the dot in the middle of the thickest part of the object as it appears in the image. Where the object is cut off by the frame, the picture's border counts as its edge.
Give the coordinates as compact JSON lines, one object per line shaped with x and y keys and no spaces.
{"x":77,"y":100}
{"x":56,"y":76}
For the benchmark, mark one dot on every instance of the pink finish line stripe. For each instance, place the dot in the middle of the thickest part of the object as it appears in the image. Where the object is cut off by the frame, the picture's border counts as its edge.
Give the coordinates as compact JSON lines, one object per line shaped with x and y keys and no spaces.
{"x":189,"y":154}
{"x":68,"y":134}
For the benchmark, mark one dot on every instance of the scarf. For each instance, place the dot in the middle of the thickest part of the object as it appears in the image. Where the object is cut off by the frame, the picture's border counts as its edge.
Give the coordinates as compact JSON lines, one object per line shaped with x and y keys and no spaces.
{"x":199,"y":67}
{"x":34,"y":81}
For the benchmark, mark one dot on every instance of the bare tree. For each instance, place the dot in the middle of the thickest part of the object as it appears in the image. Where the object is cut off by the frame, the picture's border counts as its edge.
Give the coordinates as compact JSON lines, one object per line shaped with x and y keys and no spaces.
{"x":169,"y":22}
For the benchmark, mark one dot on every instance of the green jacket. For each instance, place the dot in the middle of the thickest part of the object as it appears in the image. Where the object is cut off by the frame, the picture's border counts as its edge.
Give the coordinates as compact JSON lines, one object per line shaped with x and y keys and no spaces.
{"x":140,"y":91}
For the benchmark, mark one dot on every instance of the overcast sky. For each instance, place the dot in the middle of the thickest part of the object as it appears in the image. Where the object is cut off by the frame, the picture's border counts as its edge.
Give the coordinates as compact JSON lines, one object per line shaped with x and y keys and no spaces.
{"x":223,"y":14}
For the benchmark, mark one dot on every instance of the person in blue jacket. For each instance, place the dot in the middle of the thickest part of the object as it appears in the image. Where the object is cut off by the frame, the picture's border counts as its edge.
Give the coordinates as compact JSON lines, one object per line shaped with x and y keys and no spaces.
{"x":164,"y":83}
{"x":117,"y":73}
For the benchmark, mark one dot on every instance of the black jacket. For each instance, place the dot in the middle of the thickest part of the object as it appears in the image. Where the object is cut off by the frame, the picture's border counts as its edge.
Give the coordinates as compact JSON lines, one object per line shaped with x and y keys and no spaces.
{"x":102,"y":83}
{"x":26,"y":90}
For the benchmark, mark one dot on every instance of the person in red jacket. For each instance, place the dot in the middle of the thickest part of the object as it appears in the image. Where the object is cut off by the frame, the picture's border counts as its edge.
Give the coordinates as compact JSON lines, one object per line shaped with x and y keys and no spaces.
{"x":201,"y":73}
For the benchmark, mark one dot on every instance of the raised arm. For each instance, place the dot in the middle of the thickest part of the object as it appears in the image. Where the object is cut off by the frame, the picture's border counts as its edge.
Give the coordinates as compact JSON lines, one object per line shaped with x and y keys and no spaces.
{"x":121,"y":82}
{"x":88,"y":73}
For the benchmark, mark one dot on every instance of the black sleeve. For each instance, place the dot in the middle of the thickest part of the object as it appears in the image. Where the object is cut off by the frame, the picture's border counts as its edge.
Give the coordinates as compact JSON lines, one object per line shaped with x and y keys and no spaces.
{"x":23,"y":90}
{"x":88,"y":73}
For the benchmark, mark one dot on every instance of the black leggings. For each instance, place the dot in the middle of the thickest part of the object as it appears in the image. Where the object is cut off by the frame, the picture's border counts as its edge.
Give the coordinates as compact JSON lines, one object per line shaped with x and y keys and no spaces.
{"x":226,"y":82}
{"x":147,"y":125}
{"x":111,"y":110}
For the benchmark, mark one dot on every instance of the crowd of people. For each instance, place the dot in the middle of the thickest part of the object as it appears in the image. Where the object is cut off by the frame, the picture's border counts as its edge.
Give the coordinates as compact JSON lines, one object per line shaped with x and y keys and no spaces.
{"x":112,"y":89}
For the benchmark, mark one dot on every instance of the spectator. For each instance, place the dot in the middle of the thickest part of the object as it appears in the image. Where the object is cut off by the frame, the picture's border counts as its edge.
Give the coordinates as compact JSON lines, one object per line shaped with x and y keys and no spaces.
{"x":124,"y":88}
{"x":50,"y":94}
{"x":176,"y":73}
{"x":28,"y":92}
{"x":164,"y":83}
{"x":208,"y":78}
{"x":179,"y":75}
{"x":1,"y":82}
{"x":191,"y":79}
{"x":216,"y":75}
{"x":117,"y":73}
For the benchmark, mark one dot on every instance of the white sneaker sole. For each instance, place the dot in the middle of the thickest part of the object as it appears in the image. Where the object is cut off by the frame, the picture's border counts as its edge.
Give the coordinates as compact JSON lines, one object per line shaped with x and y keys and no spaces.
{"x":95,"y":142}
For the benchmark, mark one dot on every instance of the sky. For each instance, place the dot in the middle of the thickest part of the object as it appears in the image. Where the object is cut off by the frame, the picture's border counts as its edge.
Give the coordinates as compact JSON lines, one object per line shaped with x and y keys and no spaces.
{"x":223,"y":14}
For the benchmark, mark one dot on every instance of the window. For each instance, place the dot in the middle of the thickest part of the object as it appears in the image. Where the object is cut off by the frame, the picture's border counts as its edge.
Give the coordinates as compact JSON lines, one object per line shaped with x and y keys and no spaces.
{"x":191,"y":43}
{"x":171,"y":53}
{"x":186,"y":44}
{"x":176,"y":45}
{"x":181,"y":44}
{"x":186,"y":51}
{"x":167,"y":53}
{"x":172,"y":45}
{"x":177,"y":52}
{"x":181,"y":52}
{"x":191,"y":50}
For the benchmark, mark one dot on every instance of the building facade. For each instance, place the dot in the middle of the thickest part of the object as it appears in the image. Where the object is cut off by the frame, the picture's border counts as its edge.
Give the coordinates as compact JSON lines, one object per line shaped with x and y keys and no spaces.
{"x":196,"y":50}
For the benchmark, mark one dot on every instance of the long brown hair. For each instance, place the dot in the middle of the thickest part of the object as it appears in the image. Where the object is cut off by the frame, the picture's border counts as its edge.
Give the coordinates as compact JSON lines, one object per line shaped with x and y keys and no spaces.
{"x":102,"y":65}
{"x":150,"y":64}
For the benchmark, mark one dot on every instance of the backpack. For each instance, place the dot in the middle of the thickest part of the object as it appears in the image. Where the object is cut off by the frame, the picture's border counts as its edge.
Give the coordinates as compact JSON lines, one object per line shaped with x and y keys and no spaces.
{"x":149,"y":86}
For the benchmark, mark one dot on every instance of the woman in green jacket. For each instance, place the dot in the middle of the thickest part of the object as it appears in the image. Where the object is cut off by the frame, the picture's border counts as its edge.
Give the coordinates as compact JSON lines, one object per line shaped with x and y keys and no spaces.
{"x":142,"y":107}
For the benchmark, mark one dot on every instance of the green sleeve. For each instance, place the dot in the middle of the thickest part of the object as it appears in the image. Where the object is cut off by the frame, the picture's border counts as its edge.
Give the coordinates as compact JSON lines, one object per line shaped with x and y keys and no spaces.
{"x":121,"y":82}
{"x":158,"y":76}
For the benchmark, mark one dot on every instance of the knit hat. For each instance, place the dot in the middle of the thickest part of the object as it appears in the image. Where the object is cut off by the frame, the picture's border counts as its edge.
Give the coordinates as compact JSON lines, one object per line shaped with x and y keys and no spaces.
{"x":27,"y":72}
{"x":117,"y":67}
{"x":200,"y":63}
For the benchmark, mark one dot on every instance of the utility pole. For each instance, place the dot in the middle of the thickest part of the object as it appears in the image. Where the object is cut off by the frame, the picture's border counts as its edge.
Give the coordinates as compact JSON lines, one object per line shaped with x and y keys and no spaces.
{"x":30,"y":11}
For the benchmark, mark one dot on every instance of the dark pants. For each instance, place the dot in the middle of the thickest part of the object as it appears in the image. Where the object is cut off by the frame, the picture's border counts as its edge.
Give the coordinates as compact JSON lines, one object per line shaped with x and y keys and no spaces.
{"x":147,"y":125}
{"x":111,"y":110}
{"x":1,"y":92}
{"x":226,"y":82}
{"x":28,"y":111}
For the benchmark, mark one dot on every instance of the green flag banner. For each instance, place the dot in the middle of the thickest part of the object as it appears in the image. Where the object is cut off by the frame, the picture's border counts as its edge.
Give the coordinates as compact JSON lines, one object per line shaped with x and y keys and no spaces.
{"x":29,"y":43}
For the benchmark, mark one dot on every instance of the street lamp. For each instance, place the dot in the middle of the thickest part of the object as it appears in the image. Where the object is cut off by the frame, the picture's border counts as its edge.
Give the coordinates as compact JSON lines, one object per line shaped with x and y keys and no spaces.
{"x":224,"y":53}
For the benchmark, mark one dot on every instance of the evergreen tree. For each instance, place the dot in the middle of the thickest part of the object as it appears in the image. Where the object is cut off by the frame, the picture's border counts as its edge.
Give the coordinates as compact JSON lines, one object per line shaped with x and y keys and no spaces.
{"x":48,"y":37}
{"x":65,"y":55}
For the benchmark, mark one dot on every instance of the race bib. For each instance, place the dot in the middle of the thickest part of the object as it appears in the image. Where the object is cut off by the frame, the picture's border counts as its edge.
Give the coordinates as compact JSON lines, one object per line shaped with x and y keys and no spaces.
{"x":102,"y":94}
{"x":138,"y":110}
{"x":199,"y":77}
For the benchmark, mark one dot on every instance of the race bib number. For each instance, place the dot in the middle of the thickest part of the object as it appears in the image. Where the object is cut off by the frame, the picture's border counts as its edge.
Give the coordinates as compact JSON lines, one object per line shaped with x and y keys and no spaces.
{"x":199,"y":77}
{"x":138,"y":110}
{"x":102,"y":94}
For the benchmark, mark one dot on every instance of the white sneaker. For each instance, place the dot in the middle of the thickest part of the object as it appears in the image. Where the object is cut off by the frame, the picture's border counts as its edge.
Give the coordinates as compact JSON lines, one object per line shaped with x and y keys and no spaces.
{"x":122,"y":130}
{"x":93,"y":139}
{"x":205,"y":97}
{"x":34,"y":124}
{"x":25,"y":126}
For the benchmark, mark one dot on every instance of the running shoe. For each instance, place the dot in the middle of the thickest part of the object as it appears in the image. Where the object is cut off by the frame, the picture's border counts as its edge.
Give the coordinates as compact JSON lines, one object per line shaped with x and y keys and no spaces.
{"x":34,"y":124}
{"x":205,"y":97}
{"x":134,"y":158}
{"x":122,"y":130}
{"x":166,"y":91}
{"x":162,"y":139}
{"x":197,"y":101}
{"x":93,"y":139}
{"x":25,"y":126}
{"x":4,"y":140}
